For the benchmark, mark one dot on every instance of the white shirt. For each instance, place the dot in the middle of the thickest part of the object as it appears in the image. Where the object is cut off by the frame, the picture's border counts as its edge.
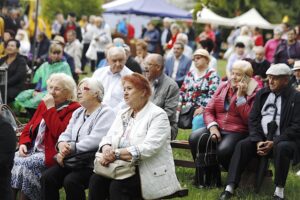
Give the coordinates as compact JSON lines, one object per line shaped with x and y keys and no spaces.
{"x":175,"y":68}
{"x":113,"y":89}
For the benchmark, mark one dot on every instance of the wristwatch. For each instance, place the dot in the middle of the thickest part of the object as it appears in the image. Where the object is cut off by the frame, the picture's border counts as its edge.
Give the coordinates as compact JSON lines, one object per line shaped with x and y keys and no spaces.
{"x":117,"y":154}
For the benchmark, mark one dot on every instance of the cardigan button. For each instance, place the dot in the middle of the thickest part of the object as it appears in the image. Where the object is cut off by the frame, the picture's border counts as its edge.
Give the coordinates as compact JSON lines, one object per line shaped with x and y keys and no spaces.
{"x":154,"y":173}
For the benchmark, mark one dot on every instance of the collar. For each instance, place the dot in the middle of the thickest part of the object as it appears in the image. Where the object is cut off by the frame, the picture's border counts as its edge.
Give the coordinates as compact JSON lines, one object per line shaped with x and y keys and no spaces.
{"x":158,"y":80}
{"x":121,"y":73}
{"x":143,"y":112}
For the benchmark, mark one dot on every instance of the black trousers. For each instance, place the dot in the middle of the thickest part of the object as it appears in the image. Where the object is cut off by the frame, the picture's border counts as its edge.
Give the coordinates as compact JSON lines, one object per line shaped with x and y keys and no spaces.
{"x":245,"y":150}
{"x":73,"y":181}
{"x":84,"y":59}
{"x":101,"y":188}
{"x":225,"y":148}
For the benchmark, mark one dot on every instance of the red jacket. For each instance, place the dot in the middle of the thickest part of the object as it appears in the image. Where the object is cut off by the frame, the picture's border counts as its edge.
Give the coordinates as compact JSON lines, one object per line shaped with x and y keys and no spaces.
{"x":56,"y":123}
{"x":233,"y":120}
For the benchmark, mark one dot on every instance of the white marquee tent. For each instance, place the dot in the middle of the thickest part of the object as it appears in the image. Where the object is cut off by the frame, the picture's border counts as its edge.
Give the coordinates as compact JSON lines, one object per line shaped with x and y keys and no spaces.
{"x":250,"y":18}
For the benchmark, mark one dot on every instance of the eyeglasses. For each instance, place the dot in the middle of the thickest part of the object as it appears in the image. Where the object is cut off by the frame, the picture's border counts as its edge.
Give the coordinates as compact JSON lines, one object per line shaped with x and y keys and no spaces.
{"x":55,"y":89}
{"x":56,"y":52}
{"x":83,"y":89}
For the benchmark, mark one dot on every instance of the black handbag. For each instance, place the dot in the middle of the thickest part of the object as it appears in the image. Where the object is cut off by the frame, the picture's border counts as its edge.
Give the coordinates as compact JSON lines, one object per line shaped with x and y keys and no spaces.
{"x":209,"y":157}
{"x":186,"y":117}
{"x":80,"y":160}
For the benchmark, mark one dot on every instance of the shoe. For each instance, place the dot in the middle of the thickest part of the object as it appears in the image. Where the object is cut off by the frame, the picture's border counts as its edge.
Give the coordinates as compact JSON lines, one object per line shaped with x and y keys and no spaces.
{"x":225,"y":195}
{"x":298,"y":173}
{"x":275,"y":197}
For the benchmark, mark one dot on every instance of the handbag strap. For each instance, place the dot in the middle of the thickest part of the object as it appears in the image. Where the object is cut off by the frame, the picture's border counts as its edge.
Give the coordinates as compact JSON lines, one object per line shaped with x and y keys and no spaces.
{"x":199,"y":140}
{"x":209,"y":142}
{"x":90,"y":127}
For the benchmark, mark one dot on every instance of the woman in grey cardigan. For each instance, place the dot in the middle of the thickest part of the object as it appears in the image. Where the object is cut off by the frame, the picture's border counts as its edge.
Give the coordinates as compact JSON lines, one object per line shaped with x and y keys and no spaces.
{"x":87,"y":126}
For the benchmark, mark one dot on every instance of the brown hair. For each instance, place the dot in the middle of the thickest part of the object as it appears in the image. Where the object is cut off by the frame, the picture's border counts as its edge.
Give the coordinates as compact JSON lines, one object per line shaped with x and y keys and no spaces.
{"x":142,"y":44}
{"x":139,"y":82}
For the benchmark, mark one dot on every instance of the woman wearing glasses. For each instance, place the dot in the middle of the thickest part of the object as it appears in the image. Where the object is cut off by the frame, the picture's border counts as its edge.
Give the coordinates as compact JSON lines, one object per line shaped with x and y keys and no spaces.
{"x":38,"y":139}
{"x":55,"y":64}
{"x":85,"y":131}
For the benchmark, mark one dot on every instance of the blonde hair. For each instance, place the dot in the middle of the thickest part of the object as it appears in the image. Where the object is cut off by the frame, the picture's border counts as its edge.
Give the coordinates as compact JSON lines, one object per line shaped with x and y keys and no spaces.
{"x":55,"y":47}
{"x":66,"y":82}
{"x":244,"y":66}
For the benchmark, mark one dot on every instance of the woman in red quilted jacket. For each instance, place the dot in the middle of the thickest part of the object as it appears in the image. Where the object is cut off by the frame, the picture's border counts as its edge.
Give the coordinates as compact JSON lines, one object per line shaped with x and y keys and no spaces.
{"x":226,"y":116}
{"x":38,"y":139}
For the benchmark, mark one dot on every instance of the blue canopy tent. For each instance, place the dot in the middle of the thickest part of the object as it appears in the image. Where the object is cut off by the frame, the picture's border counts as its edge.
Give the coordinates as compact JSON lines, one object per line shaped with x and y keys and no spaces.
{"x":152,"y":8}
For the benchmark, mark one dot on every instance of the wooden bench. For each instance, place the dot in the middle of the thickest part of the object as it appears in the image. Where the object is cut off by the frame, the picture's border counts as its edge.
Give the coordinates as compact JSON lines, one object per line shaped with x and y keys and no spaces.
{"x":182,"y":144}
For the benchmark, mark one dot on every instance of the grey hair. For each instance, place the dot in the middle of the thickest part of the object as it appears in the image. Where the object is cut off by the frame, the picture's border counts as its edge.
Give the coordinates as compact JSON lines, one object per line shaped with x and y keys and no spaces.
{"x":95,"y":85}
{"x":66,"y":82}
{"x":116,"y":50}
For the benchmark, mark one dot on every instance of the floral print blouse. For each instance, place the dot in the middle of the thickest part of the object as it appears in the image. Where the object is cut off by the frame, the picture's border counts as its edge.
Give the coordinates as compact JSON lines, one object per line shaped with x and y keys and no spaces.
{"x":197,"y":91}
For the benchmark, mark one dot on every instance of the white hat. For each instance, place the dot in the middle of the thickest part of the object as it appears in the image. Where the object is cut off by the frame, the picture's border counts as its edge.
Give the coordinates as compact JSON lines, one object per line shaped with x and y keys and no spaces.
{"x":296,"y":65}
{"x":202,"y":52}
{"x":279,"y":69}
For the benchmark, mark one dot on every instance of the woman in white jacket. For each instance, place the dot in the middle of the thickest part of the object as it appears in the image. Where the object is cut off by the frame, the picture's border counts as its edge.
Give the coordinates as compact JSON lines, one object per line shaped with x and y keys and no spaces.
{"x":143,"y":130}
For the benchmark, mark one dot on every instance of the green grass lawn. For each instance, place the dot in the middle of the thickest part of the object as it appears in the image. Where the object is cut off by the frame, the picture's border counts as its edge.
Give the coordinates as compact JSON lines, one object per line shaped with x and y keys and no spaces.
{"x":185,"y":175}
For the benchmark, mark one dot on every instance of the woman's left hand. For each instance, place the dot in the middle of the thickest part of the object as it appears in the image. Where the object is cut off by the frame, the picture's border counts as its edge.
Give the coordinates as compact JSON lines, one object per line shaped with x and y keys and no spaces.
{"x":60,"y":159}
{"x":242,"y":89}
{"x":49,"y":101}
{"x":198,"y":111}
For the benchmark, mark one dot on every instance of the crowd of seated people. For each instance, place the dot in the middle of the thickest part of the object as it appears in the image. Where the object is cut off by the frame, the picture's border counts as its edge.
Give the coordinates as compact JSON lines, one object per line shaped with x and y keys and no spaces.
{"x":141,"y":109}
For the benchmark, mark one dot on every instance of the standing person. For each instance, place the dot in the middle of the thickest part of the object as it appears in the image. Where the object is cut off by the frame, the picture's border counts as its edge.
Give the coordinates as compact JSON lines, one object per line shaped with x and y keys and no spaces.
{"x":57,"y":24}
{"x":152,"y":37}
{"x":175,"y":29}
{"x":247,"y":40}
{"x":238,"y":54}
{"x":143,"y":131}
{"x":74,"y":48}
{"x":7,"y":152}
{"x":178,"y":65}
{"x":16,"y":72}
{"x":260,"y":65}
{"x":88,"y":125}
{"x":288,"y":51}
{"x":38,"y":139}
{"x":165,"y":90}
{"x":22,"y":36}
{"x":71,"y":24}
{"x":258,"y":38}
{"x":198,"y":87}
{"x":282,"y":102}
{"x":272,"y":44}
{"x":141,"y":53}
{"x":166,"y":32}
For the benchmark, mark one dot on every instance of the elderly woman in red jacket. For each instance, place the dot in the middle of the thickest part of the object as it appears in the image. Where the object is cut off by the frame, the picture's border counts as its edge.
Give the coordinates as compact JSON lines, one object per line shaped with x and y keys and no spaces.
{"x":226,"y":116}
{"x":38,"y":139}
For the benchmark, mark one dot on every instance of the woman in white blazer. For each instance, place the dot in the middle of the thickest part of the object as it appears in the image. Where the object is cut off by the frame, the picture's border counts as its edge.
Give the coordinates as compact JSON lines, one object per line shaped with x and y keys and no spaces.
{"x":143,"y":130}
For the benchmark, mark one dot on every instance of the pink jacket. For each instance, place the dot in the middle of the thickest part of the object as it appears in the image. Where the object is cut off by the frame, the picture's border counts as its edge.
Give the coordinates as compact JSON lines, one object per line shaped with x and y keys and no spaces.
{"x":233,"y":120}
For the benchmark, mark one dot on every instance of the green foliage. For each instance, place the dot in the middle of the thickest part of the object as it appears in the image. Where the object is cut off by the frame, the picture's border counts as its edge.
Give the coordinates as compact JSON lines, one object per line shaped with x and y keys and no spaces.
{"x":80,"y":7}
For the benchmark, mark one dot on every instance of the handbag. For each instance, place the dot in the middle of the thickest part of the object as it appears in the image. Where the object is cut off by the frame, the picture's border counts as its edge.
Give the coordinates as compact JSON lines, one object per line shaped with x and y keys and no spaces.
{"x":209,"y":157}
{"x":186,"y":117}
{"x":118,"y":170}
{"x":82,"y":159}
{"x":79,"y":160}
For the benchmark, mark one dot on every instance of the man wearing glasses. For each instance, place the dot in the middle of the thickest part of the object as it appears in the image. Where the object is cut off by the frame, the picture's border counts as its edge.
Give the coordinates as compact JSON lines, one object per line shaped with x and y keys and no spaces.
{"x":274,"y":129}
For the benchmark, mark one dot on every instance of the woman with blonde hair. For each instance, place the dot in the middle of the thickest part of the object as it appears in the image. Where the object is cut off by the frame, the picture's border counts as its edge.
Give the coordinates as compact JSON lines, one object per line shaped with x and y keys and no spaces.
{"x":38,"y":139}
{"x":226,"y":116}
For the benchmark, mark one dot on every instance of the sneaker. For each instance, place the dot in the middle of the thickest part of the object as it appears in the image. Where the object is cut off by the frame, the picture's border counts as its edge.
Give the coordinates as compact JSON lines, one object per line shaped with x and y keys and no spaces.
{"x":275,"y":197}
{"x":225,"y":195}
{"x":298,"y":173}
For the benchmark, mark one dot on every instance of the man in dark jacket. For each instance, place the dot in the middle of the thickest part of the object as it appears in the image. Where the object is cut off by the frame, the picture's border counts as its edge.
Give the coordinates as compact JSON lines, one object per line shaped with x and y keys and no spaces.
{"x":280,"y":104}
{"x":7,"y":153}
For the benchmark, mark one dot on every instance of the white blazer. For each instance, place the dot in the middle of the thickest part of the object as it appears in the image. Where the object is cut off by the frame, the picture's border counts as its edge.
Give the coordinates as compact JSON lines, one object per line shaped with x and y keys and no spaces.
{"x":150,"y":133}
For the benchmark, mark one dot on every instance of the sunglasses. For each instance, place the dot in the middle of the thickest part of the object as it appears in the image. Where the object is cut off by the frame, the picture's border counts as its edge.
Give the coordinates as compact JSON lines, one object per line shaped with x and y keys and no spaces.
{"x":56,"y":52}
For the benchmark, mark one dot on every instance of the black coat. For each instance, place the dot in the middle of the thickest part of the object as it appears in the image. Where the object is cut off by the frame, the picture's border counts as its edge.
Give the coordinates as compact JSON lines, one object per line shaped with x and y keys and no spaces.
{"x":7,"y":153}
{"x":16,"y":76}
{"x":289,"y":118}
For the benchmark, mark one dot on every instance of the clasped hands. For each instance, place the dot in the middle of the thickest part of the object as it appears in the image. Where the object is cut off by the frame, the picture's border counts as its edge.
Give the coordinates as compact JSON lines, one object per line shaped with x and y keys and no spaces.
{"x":264,"y":147}
{"x":108,"y":155}
{"x":64,"y":150}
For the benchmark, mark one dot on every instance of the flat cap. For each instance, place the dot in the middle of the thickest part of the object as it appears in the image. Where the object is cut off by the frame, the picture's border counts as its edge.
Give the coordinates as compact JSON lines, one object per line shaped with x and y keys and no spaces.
{"x":279,"y":69}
